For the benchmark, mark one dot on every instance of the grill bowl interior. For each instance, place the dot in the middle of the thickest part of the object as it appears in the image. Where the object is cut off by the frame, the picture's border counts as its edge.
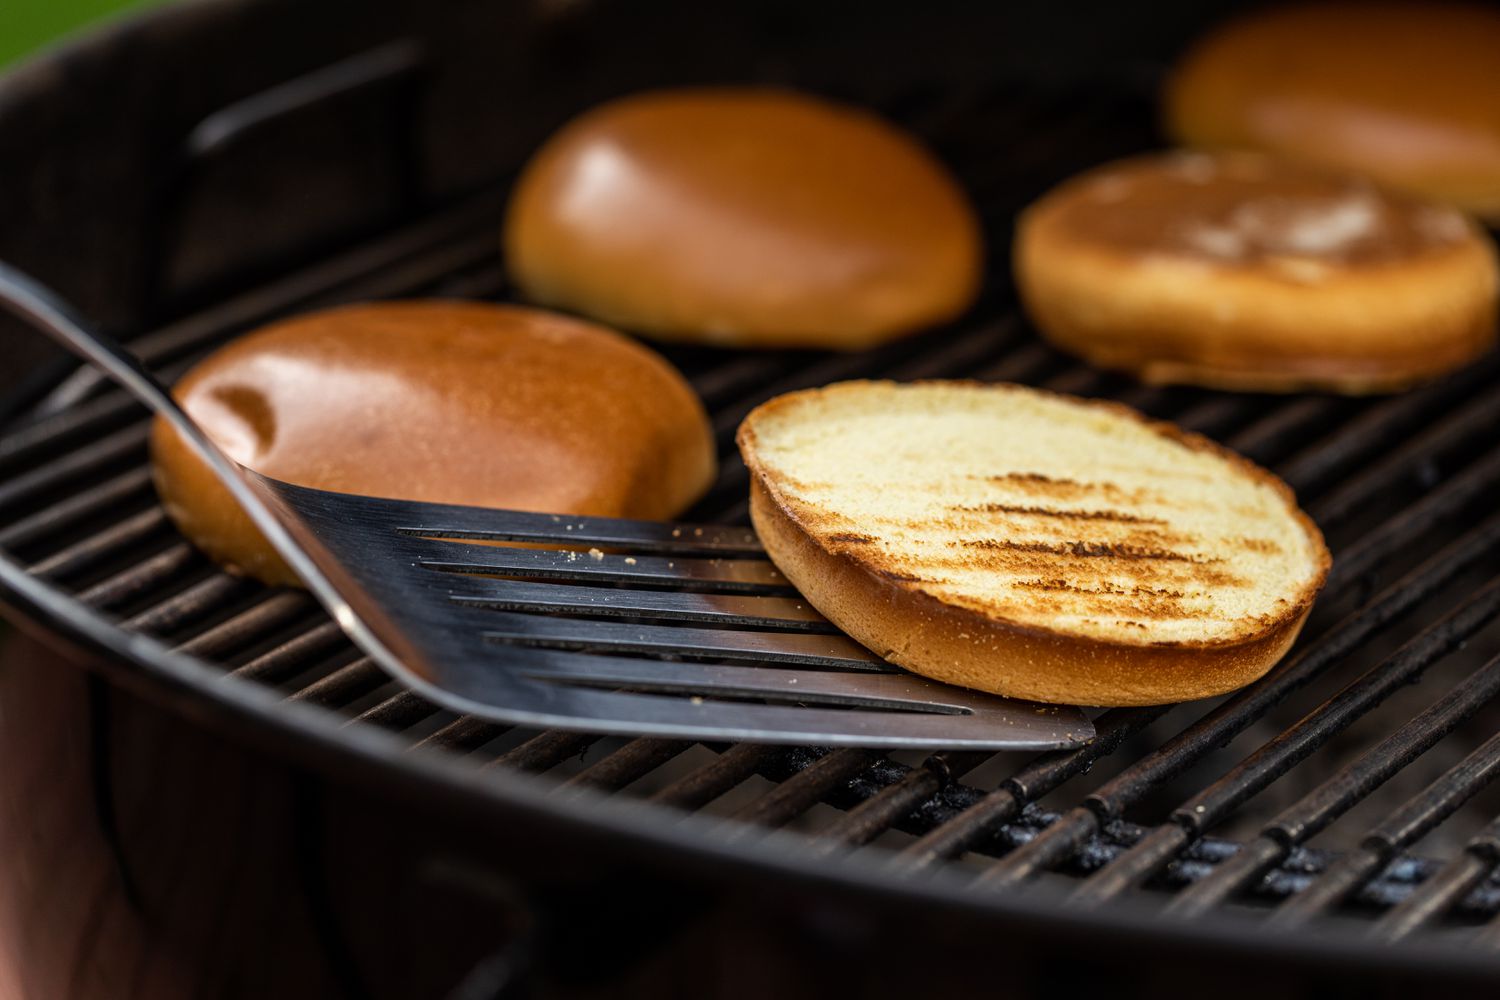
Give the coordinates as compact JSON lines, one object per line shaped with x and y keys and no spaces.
{"x":1247,"y":810}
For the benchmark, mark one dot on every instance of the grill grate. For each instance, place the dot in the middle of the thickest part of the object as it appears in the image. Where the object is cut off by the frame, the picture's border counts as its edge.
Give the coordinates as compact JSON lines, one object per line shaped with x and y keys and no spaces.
{"x":1198,"y":805}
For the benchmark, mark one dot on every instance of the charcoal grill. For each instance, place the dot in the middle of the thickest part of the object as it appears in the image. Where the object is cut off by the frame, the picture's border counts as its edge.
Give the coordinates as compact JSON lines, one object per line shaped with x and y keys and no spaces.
{"x":244,"y":807}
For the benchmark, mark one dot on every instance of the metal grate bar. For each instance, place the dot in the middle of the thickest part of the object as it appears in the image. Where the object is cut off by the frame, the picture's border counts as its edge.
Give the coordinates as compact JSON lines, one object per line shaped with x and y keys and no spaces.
{"x":1047,"y":772}
{"x":277,"y":609}
{"x":347,"y":683}
{"x":397,"y":712}
{"x":1273,"y":435}
{"x":806,"y":787}
{"x":1025,"y":364}
{"x":737,"y":376}
{"x":891,"y":804}
{"x":1205,"y":855}
{"x":832,"y":368}
{"x":1316,"y":465}
{"x":66,"y":514}
{"x":91,"y":550}
{"x":1317,"y":809}
{"x":1216,"y":415}
{"x":694,"y":791}
{"x":143,"y":576}
{"x":463,"y":734}
{"x":634,"y":760}
{"x":1078,"y":381}
{"x":45,"y":436}
{"x":276,"y":665}
{"x":1453,"y":431}
{"x":1398,"y":831}
{"x":1409,"y":525}
{"x":73,"y":465}
{"x":193,"y":604}
{"x":545,"y":751}
{"x":1438,"y":893}
{"x":1407,"y":824}
{"x":964,"y":353}
{"x":1276,"y":757}
{"x":1336,"y":714}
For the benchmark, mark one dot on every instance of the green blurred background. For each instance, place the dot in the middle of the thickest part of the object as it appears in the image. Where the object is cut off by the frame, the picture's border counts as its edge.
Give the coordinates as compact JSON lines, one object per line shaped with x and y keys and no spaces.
{"x":27,"y":25}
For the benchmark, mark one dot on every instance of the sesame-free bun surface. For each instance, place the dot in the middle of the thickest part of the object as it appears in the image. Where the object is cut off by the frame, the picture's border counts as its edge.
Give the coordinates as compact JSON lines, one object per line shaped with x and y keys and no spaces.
{"x":743,"y":216}
{"x":466,"y":403}
{"x":1403,"y":92}
{"x":1244,"y":271}
{"x":1030,"y":544}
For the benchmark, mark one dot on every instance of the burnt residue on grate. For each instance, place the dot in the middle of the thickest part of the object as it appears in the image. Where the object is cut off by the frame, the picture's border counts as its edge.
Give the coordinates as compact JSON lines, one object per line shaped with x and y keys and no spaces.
{"x":1335,"y":785}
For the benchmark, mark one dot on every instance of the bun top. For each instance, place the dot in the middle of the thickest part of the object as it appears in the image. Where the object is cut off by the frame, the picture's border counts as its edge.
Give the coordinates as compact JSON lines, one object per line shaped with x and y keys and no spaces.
{"x":1248,"y":210}
{"x":1405,"y":92}
{"x":743,"y":216}
{"x":449,"y":402}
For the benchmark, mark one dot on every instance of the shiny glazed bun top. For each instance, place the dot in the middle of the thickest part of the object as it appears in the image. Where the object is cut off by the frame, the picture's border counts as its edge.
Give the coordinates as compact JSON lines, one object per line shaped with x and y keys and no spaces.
{"x":1245,"y":271}
{"x":1250,"y":211}
{"x":746,"y":217}
{"x":449,"y":402}
{"x":1404,"y":92}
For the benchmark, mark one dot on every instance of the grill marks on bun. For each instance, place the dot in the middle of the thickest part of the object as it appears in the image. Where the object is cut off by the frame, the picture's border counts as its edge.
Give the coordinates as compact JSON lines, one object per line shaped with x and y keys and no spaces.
{"x":1006,"y":513}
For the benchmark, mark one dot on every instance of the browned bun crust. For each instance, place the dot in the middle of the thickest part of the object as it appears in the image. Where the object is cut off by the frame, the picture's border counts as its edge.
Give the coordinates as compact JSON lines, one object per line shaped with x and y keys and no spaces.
{"x":743,"y":216}
{"x":448,"y":402}
{"x":958,"y":645}
{"x":1402,"y":316}
{"x":1403,"y":92}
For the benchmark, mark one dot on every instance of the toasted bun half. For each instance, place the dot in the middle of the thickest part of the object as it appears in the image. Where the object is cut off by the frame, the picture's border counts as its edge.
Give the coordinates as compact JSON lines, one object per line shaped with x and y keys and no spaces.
{"x":1241,"y":271}
{"x":448,"y":402}
{"x":1401,"y":92}
{"x":1030,"y":544}
{"x":743,"y":217}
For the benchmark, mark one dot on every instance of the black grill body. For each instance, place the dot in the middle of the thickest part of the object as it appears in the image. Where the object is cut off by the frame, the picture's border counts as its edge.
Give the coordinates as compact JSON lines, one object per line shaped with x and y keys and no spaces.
{"x":303,"y":827}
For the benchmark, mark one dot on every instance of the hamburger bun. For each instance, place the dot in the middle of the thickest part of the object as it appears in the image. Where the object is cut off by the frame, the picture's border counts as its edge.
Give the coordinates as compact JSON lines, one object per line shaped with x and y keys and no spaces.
{"x":744,"y":217}
{"x":1241,"y":271}
{"x":450,"y":402}
{"x":1030,"y":544}
{"x":1403,"y":92}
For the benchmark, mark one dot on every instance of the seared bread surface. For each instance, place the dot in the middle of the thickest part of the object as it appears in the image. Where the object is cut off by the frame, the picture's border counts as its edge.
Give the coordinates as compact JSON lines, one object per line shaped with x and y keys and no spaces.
{"x":1031,"y":544}
{"x":1402,"y":92}
{"x":450,"y":402}
{"x":743,"y":216}
{"x":1243,"y":271}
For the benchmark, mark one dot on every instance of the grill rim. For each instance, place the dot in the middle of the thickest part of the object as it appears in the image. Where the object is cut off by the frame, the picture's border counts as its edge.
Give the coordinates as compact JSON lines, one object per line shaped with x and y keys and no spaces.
{"x":300,"y":734}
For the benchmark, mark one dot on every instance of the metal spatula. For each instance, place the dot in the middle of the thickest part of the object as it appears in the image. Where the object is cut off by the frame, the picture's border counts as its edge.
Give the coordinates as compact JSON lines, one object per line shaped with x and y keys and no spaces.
{"x":620,"y":626}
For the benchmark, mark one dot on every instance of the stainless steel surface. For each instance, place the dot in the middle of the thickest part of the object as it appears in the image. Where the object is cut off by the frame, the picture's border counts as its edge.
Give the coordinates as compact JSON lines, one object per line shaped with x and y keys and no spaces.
{"x":393,"y":577}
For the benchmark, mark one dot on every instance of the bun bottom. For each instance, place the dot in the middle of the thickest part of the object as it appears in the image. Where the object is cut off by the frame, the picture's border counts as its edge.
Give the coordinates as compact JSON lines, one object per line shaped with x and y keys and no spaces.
{"x":947,"y":643}
{"x":1369,"y":330}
